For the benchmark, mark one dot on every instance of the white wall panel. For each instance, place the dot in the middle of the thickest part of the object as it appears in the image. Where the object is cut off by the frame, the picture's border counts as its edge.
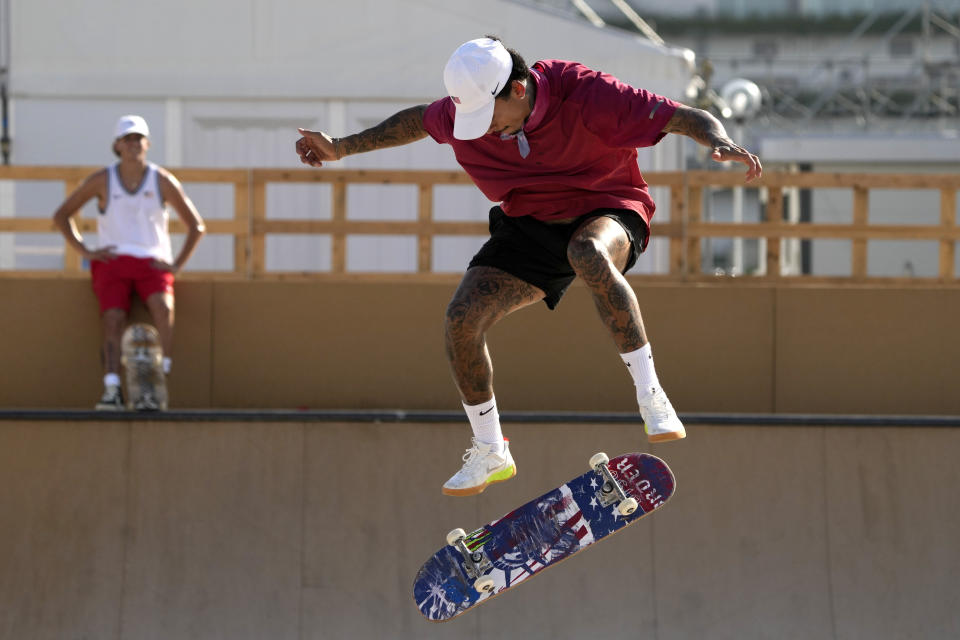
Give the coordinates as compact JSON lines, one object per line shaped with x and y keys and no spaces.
{"x":225,"y":83}
{"x":296,"y":48}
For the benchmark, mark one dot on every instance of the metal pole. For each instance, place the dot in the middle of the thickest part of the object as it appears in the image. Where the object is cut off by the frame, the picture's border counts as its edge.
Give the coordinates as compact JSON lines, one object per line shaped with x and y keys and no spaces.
{"x":736,"y":263}
{"x":5,"y":122}
{"x":4,"y":72}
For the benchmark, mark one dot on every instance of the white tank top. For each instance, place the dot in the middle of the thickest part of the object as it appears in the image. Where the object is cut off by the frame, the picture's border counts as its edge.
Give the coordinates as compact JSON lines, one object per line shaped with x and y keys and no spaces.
{"x":135,"y":223}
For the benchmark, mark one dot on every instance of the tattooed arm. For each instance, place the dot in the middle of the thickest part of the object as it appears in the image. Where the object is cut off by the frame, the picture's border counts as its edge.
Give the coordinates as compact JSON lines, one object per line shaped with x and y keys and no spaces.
{"x":707,"y":130}
{"x":404,"y":127}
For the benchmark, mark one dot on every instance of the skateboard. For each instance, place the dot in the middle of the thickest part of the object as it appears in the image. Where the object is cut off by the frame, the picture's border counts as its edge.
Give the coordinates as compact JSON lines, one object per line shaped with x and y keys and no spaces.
{"x":142,"y":359}
{"x":473,"y":568}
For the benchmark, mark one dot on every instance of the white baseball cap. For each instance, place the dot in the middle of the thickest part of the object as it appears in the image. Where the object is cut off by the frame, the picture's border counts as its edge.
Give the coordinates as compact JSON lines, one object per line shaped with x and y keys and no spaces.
{"x":131,"y":124}
{"x":476,"y":72}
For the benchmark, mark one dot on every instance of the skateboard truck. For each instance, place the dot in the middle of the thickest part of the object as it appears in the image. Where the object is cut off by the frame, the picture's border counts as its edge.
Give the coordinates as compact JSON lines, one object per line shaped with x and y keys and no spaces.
{"x":476,"y":562}
{"x":610,"y":491}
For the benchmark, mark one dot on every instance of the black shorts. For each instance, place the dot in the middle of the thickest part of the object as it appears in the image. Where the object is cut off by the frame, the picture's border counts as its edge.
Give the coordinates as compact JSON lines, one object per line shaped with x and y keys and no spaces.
{"x":536,"y":252}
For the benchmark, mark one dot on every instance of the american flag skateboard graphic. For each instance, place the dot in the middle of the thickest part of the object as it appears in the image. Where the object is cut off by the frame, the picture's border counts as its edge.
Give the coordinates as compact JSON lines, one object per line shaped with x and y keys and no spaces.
{"x":474,"y":567}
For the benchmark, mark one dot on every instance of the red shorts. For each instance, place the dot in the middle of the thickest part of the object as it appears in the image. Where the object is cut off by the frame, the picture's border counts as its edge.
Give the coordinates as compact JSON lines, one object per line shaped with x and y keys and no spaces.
{"x":114,"y":281}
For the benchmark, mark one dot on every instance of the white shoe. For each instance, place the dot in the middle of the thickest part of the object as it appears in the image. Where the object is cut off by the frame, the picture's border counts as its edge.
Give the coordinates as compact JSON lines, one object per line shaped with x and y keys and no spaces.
{"x":112,"y":399}
{"x":481,"y":467}
{"x":660,"y":420}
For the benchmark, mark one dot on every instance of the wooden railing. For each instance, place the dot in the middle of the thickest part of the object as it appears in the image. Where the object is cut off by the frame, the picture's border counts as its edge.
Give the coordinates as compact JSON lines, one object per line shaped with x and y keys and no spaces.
{"x":250,"y":224}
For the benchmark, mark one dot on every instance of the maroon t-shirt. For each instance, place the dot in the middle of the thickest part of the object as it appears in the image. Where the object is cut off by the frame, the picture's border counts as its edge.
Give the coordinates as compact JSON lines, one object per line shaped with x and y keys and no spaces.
{"x":583,"y":132}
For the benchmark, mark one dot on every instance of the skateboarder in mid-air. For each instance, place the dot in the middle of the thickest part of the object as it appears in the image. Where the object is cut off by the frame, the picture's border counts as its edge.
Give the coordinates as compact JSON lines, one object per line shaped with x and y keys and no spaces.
{"x":555,"y":145}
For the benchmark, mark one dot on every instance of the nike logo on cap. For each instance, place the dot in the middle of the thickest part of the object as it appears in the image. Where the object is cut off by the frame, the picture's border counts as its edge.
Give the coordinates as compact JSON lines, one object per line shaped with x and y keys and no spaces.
{"x":494,"y":92}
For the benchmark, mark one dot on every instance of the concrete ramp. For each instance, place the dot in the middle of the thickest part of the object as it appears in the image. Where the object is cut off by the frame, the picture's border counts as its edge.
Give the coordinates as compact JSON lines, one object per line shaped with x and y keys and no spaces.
{"x":292,"y":530}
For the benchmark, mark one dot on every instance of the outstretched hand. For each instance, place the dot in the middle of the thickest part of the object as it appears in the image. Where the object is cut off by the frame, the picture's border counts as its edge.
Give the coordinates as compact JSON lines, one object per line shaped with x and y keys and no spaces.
{"x":728,"y":151}
{"x":315,"y":148}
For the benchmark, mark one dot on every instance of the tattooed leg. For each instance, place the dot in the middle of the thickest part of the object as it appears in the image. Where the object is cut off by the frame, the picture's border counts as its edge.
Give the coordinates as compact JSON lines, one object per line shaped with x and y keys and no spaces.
{"x":598,"y":252}
{"x":485,"y":295}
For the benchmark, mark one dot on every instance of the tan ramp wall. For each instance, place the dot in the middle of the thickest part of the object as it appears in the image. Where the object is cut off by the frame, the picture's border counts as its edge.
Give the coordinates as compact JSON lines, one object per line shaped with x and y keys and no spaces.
{"x":721,"y":348}
{"x":158,"y":530}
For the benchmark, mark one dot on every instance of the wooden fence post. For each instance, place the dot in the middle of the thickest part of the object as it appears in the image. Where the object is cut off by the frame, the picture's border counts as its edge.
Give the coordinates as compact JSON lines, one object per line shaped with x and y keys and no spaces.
{"x":948,"y":220}
{"x":338,"y":213}
{"x":242,"y":248}
{"x":774,"y":221}
{"x":694,"y":215}
{"x":258,"y":238}
{"x":678,"y":214}
{"x":72,"y":262}
{"x":425,"y":237}
{"x":859,"y":244}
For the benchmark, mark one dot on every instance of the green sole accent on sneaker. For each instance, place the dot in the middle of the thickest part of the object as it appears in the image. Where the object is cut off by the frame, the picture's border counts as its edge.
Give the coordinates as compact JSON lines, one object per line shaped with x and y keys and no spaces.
{"x":506,"y":474}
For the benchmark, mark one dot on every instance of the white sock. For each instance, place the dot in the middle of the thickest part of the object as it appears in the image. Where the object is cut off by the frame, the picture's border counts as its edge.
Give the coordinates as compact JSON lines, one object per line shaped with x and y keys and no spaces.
{"x":167,"y":363}
{"x":485,"y":422}
{"x":640,"y":365}
{"x":111,"y":379}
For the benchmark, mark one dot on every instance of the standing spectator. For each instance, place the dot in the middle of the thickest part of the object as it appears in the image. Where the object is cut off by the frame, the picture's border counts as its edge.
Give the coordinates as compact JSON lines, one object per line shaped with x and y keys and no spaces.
{"x":133,"y":252}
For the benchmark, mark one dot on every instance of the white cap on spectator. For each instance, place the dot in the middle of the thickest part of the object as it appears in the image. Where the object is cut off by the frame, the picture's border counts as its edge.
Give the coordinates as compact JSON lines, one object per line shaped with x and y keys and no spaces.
{"x":131,"y":124}
{"x":476,"y":72}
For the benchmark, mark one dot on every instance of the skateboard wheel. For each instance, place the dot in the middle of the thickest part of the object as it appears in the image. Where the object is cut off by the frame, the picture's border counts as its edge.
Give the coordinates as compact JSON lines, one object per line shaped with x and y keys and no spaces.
{"x":598,"y":459}
{"x":455,"y":536}
{"x":627,"y":507}
{"x":484,"y":584}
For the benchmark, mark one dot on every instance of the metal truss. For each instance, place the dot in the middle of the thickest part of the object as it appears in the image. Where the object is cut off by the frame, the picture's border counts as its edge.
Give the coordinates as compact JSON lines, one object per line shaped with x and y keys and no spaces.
{"x":845,"y":83}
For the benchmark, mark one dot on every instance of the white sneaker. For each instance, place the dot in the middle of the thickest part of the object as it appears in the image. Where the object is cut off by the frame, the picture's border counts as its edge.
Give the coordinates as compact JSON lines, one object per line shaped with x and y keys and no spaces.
{"x":112,"y":399}
{"x":660,"y":420}
{"x":481,"y":467}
